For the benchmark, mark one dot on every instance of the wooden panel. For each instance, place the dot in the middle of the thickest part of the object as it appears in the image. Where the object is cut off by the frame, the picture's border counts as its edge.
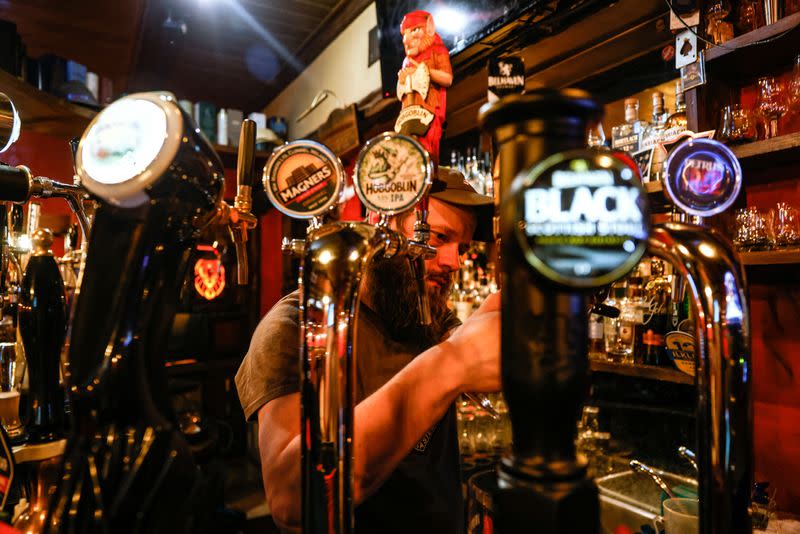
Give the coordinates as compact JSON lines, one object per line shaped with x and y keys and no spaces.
{"x":770,"y":257}
{"x":100,"y":34}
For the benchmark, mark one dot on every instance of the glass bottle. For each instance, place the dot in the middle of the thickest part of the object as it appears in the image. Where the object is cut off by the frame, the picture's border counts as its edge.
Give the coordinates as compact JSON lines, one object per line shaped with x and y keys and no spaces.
{"x":749,"y":16}
{"x":654,"y":134}
{"x":794,"y":87}
{"x":628,"y":136}
{"x":618,"y":348}
{"x":677,"y":122}
{"x":597,"y":345}
{"x":657,"y":293}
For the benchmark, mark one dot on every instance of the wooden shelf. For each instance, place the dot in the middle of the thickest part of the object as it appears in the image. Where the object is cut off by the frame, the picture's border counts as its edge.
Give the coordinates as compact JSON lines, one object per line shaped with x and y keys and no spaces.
{"x":44,"y":113}
{"x":770,"y":257}
{"x":758,"y":51}
{"x":229,"y":155}
{"x":653,"y":187}
{"x":650,"y":372}
{"x":782,"y":149}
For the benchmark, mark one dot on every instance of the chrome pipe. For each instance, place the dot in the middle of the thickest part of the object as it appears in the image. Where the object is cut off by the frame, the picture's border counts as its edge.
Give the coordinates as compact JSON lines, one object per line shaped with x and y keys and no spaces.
{"x":334,"y":259}
{"x":723,"y":371}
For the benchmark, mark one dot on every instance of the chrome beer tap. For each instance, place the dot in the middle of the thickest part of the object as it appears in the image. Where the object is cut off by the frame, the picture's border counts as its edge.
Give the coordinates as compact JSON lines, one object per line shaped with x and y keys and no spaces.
{"x":719,"y":346}
{"x":304,"y":180}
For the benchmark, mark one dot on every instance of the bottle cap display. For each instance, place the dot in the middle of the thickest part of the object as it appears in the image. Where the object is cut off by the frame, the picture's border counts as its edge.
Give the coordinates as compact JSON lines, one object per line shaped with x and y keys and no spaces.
{"x":392,"y":173}
{"x":303,"y":179}
{"x":703,"y":177}
{"x":585,"y":217}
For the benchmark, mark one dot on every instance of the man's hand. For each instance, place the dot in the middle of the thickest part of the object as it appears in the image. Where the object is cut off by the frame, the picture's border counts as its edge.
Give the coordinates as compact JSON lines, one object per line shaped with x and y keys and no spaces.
{"x":476,"y":346}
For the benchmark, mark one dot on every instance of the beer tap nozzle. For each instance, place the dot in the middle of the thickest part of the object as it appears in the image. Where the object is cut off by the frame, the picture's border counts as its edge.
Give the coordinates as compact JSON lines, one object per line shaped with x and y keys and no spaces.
{"x":241,"y":218}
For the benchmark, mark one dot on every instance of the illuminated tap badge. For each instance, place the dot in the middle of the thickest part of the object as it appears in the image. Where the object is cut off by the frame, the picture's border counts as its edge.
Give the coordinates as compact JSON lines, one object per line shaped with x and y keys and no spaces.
{"x":392,"y":173}
{"x":303,"y":179}
{"x":703,"y":177}
{"x":584,"y":217}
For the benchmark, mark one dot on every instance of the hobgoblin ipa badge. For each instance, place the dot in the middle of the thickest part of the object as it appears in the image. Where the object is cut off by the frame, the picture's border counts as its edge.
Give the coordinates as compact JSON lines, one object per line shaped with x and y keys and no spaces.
{"x":303,"y":179}
{"x":703,"y":177}
{"x":585,"y":219}
{"x":392,"y":173}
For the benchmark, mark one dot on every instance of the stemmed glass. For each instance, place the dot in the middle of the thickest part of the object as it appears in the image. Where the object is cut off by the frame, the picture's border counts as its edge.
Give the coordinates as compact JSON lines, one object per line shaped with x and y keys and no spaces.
{"x":771,"y":103}
{"x":794,"y":87}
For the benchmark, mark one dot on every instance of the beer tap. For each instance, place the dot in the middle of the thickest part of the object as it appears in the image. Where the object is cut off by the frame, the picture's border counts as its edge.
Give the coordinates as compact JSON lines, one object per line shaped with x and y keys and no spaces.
{"x":571,"y":220}
{"x":238,"y":217}
{"x":304,"y":179}
{"x":126,"y":461}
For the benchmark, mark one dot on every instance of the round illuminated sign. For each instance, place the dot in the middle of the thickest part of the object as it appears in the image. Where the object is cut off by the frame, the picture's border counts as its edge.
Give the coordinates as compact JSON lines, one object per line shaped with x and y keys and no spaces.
{"x":9,"y":123}
{"x":584,"y":217}
{"x":303,"y":179}
{"x":703,"y":177}
{"x":392,"y":173}
{"x":128,"y":146}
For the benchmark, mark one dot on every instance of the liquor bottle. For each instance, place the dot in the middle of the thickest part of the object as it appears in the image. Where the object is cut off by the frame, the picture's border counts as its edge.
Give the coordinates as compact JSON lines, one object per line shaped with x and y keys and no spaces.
{"x":475,"y":176}
{"x":628,"y":136}
{"x":596,"y":137}
{"x":597,"y":345}
{"x":488,"y":175}
{"x":618,"y":348}
{"x":677,"y":122}
{"x":657,"y":293}
{"x":653,"y":134}
{"x":632,"y":316}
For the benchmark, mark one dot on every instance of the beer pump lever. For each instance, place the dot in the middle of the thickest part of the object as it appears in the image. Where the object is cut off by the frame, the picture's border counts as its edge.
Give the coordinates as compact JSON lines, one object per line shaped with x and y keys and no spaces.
{"x":18,"y":184}
{"x":239,"y":218}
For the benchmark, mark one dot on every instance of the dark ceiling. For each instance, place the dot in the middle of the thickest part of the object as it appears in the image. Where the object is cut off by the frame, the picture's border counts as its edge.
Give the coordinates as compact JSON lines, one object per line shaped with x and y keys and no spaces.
{"x":234,"y":53}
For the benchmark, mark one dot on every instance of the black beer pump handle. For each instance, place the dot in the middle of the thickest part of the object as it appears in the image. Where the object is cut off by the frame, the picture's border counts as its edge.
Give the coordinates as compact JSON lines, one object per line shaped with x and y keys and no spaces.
{"x":15,"y":183}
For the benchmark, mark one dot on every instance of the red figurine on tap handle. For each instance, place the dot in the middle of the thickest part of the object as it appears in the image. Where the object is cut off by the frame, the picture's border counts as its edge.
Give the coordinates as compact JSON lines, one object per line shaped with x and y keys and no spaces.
{"x":422,"y":82}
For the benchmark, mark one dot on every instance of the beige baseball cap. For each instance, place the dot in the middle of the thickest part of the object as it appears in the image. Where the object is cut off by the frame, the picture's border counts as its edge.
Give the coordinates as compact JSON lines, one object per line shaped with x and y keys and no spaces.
{"x":450,"y":186}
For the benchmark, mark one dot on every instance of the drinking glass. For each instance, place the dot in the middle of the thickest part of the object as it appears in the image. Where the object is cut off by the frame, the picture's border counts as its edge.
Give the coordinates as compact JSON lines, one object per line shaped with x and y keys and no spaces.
{"x":794,"y":87}
{"x":784,"y":225}
{"x":9,"y":394}
{"x":719,"y":30}
{"x":725,"y":128}
{"x":750,"y":16}
{"x":771,"y":103}
{"x":750,"y":230}
{"x":743,"y":129}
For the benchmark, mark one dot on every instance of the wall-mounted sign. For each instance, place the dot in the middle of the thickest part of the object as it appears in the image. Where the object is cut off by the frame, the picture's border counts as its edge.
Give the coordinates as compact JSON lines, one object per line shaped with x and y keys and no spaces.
{"x":703,"y":177}
{"x":585,"y":217}
{"x":392,"y":173}
{"x":209,"y":274}
{"x":303,"y":179}
{"x":506,"y":77}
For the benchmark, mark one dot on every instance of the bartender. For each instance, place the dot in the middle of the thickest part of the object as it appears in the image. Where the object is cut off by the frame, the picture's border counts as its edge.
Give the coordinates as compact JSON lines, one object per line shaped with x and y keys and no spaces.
{"x":408,"y":377}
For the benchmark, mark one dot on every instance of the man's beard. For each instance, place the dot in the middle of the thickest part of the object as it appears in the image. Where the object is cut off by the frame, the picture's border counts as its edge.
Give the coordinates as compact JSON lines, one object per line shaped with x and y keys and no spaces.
{"x":392,"y":295}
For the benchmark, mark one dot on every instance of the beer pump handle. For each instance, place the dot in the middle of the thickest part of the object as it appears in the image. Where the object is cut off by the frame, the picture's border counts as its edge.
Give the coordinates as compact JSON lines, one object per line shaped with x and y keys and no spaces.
{"x":421,"y":251}
{"x":242,"y":220}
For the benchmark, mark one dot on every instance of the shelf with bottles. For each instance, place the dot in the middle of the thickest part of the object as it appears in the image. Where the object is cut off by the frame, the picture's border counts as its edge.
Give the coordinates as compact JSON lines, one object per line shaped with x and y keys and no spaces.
{"x":44,"y":113}
{"x":650,"y":372}
{"x":766,"y":48}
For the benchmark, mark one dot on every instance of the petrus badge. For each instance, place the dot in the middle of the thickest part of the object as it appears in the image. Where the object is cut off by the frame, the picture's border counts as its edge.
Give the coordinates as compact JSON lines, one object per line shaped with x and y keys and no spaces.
{"x":703,"y":177}
{"x":392,"y":173}
{"x":303,"y":179}
{"x":585,"y":217}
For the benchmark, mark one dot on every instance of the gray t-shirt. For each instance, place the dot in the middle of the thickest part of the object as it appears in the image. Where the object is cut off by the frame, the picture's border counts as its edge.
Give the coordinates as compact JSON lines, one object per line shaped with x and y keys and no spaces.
{"x":423,"y":494}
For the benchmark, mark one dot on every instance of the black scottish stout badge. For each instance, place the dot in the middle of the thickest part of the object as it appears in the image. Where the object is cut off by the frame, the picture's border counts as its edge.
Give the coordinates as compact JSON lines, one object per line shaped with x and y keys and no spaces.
{"x":585,"y":217}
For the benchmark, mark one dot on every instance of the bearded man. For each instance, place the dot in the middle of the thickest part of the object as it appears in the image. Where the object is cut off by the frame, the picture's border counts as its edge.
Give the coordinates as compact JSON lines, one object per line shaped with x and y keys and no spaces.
{"x":422,"y":82}
{"x":408,"y":377}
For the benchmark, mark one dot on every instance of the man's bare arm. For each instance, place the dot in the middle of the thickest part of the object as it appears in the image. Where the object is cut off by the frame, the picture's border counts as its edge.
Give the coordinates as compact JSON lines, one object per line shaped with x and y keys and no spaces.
{"x":390,"y":421}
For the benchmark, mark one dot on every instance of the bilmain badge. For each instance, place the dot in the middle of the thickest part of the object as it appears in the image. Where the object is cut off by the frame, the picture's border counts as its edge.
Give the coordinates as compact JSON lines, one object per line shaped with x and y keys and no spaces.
{"x":303,"y":179}
{"x":392,"y":173}
{"x":585,"y":218}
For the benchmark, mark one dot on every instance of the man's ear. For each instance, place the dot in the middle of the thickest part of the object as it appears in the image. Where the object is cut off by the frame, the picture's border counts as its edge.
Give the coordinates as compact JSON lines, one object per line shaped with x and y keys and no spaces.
{"x":430,"y":27}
